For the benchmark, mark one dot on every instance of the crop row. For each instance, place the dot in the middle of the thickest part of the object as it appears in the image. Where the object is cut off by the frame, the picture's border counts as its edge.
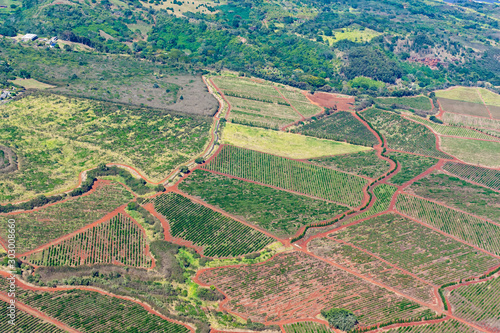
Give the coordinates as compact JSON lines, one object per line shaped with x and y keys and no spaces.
{"x":89,"y":311}
{"x":307,"y":327}
{"x":118,"y":240}
{"x":39,"y":227}
{"x":403,"y":134}
{"x":448,"y":326}
{"x":401,"y":241}
{"x":266,"y":99}
{"x":340,"y":126}
{"x":464,"y":226}
{"x":478,"y":303}
{"x":451,"y":130}
{"x":220,"y":235}
{"x":486,"y":177}
{"x":383,"y":194}
{"x":25,"y":322}
{"x":290,"y":175}
{"x":295,"y":286}
{"x":475,"y":122}
{"x":411,"y":166}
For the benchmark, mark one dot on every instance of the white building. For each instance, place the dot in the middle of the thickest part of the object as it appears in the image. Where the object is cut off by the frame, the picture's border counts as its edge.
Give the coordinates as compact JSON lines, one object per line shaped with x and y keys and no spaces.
{"x":29,"y":37}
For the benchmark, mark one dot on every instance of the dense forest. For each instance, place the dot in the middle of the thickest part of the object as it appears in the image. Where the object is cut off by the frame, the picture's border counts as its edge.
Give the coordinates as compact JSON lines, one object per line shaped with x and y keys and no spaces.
{"x":321,"y":44}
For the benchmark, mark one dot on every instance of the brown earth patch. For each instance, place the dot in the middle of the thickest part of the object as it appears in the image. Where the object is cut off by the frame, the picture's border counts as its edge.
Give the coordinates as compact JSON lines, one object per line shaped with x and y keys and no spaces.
{"x":467,"y":108}
{"x":328,"y":100}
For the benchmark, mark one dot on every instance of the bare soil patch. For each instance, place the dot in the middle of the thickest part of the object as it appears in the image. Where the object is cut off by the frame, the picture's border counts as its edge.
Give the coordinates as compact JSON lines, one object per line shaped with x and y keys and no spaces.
{"x":495,"y":111}
{"x":327,"y":100}
{"x":467,"y":108}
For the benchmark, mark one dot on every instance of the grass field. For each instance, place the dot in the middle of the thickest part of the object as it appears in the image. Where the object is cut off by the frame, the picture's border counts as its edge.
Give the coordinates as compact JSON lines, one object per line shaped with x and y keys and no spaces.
{"x":419,"y":102}
{"x":459,"y":194}
{"x":418,"y":249}
{"x":368,"y":265}
{"x":448,"y":326}
{"x":364,"y":163}
{"x":465,"y":94}
{"x":478,"y":303}
{"x":117,"y":241}
{"x":58,"y":137}
{"x":486,"y":177}
{"x":340,"y":126}
{"x":220,"y":235}
{"x":489,"y":97}
{"x":481,"y":153}
{"x":297,"y":286}
{"x":411,"y":166}
{"x":89,"y":311}
{"x":279,"y":212}
{"x":352,"y":33}
{"x":31,"y":84}
{"x":284,"y":144}
{"x":289,"y":174}
{"x":403,"y":134}
{"x":480,"y":233}
{"x":36,"y":228}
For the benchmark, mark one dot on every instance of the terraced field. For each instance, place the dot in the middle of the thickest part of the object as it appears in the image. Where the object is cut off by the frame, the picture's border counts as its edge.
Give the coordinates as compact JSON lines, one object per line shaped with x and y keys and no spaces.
{"x":289,"y":174}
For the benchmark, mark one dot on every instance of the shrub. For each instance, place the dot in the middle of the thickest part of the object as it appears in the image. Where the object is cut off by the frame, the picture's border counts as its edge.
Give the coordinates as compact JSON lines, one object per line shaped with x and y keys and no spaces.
{"x":341,"y":319}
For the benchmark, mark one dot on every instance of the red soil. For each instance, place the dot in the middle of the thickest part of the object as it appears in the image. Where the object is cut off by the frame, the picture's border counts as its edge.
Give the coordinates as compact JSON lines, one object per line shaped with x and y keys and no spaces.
{"x":328,"y":100}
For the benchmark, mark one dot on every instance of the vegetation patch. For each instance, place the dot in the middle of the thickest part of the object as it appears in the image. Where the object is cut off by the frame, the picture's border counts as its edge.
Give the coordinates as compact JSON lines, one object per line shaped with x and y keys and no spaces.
{"x":58,"y":137}
{"x":31,"y":84}
{"x":340,"y":126}
{"x":341,"y":319}
{"x":481,"y":153}
{"x":284,"y":144}
{"x":296,"y":286}
{"x":475,"y":122}
{"x":117,"y":241}
{"x":484,"y":176}
{"x":471,"y":229}
{"x":417,"y":249}
{"x":418,"y":102}
{"x":489,"y":97}
{"x":403,"y":134}
{"x":39,"y":227}
{"x":220,"y":235}
{"x":279,"y":212}
{"x":465,"y":94}
{"x":26,"y":322}
{"x":289,"y":174}
{"x":448,"y":326}
{"x":459,"y":194}
{"x":307,"y":327}
{"x":354,"y":33}
{"x":411,"y":166}
{"x":383,"y":196}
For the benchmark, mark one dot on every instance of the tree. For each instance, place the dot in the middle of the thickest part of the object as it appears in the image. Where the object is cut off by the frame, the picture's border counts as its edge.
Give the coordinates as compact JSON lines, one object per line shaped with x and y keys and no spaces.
{"x":341,"y":319}
{"x":200,"y":160}
{"x":184,"y":169}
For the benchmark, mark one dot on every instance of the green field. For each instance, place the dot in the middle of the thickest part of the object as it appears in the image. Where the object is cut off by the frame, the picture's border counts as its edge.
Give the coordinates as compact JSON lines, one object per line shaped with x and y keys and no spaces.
{"x":418,"y":102}
{"x":279,"y":212}
{"x":364,"y":163}
{"x":403,"y":134}
{"x":26,"y":322}
{"x":39,"y":227}
{"x":57,"y":137}
{"x":448,"y":326}
{"x":307,"y":327}
{"x":219,"y":235}
{"x":420,"y":250}
{"x":352,"y":33}
{"x":464,"y":94}
{"x":411,"y":166}
{"x":289,"y":174}
{"x":284,"y":144}
{"x":31,"y":84}
{"x":340,"y":126}
{"x":480,"y":153}
{"x":459,"y":194}
{"x":471,"y":229}
{"x":486,"y":177}
{"x":383,"y":194}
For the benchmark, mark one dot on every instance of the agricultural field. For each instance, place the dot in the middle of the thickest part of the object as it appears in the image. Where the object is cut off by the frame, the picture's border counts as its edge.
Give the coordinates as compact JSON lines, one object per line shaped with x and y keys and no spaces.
{"x":403,"y":134}
{"x":26,"y":322}
{"x":478,"y":303}
{"x":279,"y":212}
{"x":288,"y":174}
{"x":117,"y":241}
{"x":284,"y":144}
{"x":307,"y":327}
{"x":452,"y":130}
{"x":468,"y":228}
{"x":220,"y":236}
{"x":340,"y":126}
{"x":487,"y":177}
{"x":300,"y":102}
{"x":364,"y":163}
{"x":368,"y":265}
{"x":89,"y":311}
{"x":448,"y":326}
{"x":294,"y":286}
{"x":38,"y":227}
{"x":354,"y":33}
{"x":58,"y":137}
{"x":31,"y":84}
{"x":465,"y":94}
{"x":459,"y":194}
{"x":464,"y":108}
{"x":474,"y":122}
{"x":401,"y":242}
{"x":419,"y":102}
{"x":383,"y":194}
{"x":411,"y":166}
{"x":480,"y":153}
